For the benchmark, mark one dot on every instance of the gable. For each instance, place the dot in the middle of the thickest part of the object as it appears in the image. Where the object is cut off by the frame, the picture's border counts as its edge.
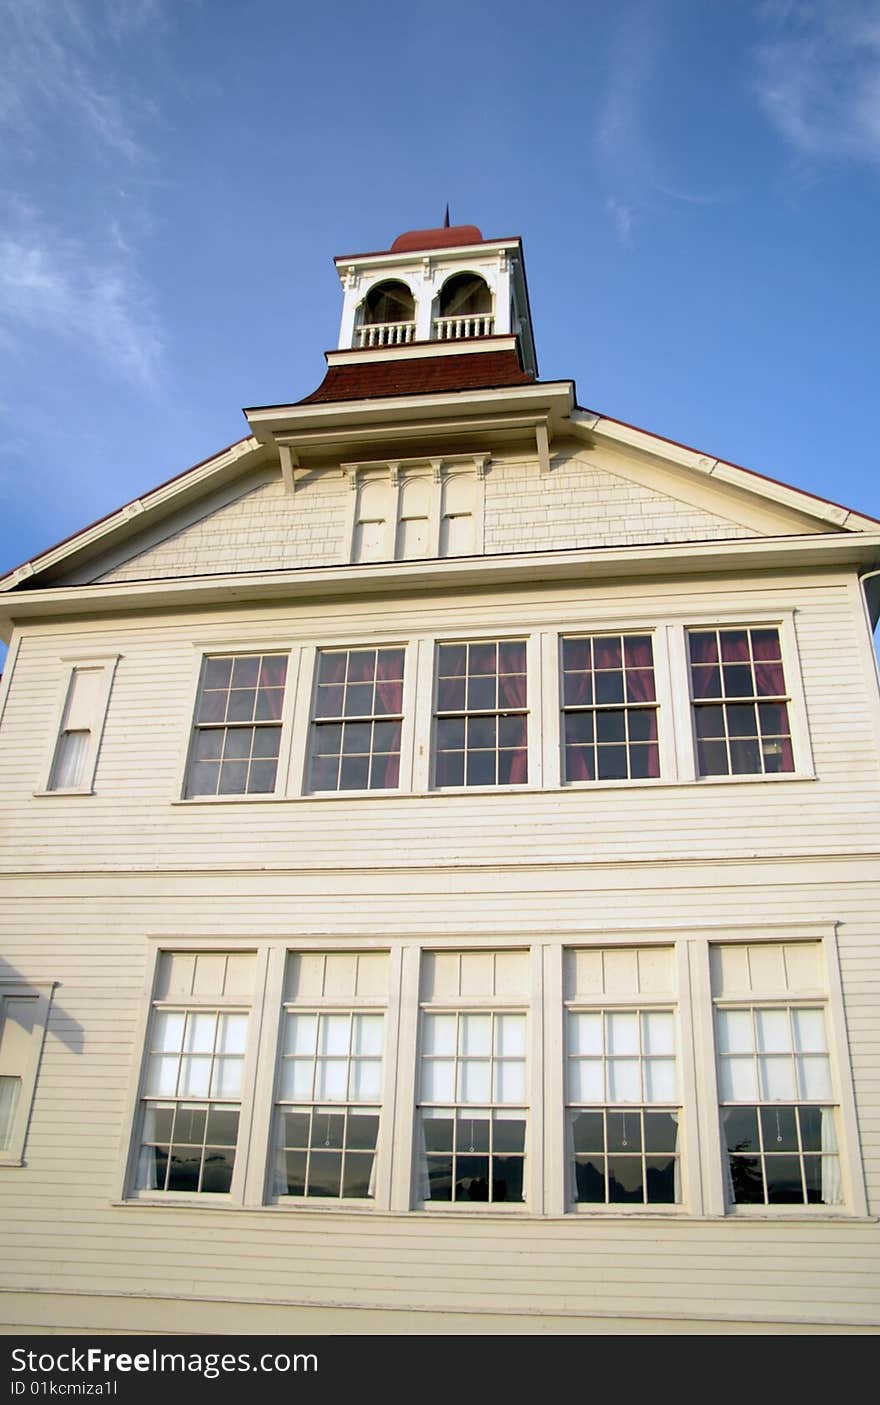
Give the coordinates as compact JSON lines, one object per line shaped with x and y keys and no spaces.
{"x":579,"y":504}
{"x":593,"y":483}
{"x":264,"y":528}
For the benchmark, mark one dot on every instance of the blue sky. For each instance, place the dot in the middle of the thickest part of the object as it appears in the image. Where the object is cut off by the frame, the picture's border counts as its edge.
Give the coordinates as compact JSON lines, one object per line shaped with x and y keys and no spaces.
{"x":697,"y":183}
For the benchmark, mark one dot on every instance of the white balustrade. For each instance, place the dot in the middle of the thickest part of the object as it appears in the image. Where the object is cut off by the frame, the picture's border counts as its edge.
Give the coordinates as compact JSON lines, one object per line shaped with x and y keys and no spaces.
{"x":386,"y":333}
{"x":478,"y":324}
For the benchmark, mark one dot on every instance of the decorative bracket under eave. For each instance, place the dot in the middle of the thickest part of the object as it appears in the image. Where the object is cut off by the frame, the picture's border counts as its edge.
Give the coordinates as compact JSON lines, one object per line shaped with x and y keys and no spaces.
{"x":542,"y":439}
{"x":289,"y":462}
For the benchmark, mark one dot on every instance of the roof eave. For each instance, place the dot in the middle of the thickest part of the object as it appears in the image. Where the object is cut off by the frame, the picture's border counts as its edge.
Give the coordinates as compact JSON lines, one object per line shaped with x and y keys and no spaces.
{"x":858,"y":552}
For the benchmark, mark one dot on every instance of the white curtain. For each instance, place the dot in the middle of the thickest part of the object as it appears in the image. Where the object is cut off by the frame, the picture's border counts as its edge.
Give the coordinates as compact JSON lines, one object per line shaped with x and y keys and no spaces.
{"x":9,"y":1090}
{"x":70,"y":757}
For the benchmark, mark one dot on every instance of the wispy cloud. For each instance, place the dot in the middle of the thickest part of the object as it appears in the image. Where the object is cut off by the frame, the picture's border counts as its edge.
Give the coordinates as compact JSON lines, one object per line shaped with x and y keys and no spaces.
{"x":818,"y":76}
{"x":54,"y":286}
{"x":71,"y":264}
{"x":641,"y":177}
{"x":52,"y":65}
{"x":622,"y":218}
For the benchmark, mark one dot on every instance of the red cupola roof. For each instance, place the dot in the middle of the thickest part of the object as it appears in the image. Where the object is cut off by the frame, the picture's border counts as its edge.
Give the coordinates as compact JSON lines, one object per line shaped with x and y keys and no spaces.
{"x":446,"y":238}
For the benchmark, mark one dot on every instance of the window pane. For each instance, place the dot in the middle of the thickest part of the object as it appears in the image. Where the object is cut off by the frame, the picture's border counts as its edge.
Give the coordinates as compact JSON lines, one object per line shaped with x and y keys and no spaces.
{"x":474,"y":1034}
{"x":622,"y":1033}
{"x":510,"y":1081}
{"x":168,"y":1030}
{"x":475,"y":1081}
{"x":367,"y":1033}
{"x":814,"y":1076}
{"x":232,"y":1034}
{"x":510,"y":1035}
{"x":624,"y":1083}
{"x":625,"y":1183}
{"x":438,"y":1081}
{"x":226,"y":1079}
{"x":774,"y":1031}
{"x":330,"y":1079}
{"x":809,"y":1031}
{"x":777,"y":1077}
{"x":195,"y":1077}
{"x":658,"y":1034}
{"x":585,"y":1033}
{"x":784,"y":1184}
{"x":69,"y":764}
{"x":738,"y":1080}
{"x":660,"y":1081}
{"x":438,"y":1034}
{"x":366,"y":1080}
{"x":301,"y":1034}
{"x":334,"y":1034}
{"x":586,"y":1080}
{"x":297,"y":1079}
{"x":735,"y":1032}
{"x":10,"y":1090}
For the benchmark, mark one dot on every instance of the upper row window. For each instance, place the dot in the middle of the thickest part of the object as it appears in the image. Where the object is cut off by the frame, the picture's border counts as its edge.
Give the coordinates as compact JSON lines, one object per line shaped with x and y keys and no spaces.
{"x":609,"y":713}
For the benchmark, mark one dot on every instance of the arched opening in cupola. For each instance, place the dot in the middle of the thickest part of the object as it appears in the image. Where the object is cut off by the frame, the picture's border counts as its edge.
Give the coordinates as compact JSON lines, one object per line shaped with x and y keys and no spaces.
{"x":388,"y":315}
{"x":464,"y":308}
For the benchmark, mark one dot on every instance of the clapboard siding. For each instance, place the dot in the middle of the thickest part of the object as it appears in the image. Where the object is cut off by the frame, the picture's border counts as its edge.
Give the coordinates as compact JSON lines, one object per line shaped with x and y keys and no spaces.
{"x":131,"y":823}
{"x":90,"y":885}
{"x":586,"y":501}
{"x":818,"y":1270}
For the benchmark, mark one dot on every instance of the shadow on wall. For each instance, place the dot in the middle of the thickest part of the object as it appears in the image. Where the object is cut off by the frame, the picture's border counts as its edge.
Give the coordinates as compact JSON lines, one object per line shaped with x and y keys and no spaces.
{"x":20,"y":1028}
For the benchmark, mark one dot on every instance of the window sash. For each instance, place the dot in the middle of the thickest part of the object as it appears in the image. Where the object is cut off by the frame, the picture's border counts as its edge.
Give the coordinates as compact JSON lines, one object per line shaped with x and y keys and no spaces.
{"x":237,"y":725}
{"x":481,"y":713}
{"x":356,"y":724}
{"x":740,"y":700}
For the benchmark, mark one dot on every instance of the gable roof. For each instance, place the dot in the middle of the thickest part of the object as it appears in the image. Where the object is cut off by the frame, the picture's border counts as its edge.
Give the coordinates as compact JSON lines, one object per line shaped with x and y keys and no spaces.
{"x":424,"y":395}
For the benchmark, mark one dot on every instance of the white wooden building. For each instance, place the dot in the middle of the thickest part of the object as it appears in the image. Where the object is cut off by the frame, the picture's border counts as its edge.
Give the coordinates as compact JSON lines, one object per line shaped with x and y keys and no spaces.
{"x":439,"y":873}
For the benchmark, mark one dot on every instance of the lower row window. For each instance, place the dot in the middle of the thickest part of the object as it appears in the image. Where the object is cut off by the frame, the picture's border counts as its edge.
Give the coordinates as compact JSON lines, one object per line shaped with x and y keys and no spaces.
{"x":341,"y":1062}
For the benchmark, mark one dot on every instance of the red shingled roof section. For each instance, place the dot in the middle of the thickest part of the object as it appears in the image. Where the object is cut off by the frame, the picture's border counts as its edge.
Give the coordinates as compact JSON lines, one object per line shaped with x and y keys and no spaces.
{"x":446,"y":238}
{"x":427,"y":375}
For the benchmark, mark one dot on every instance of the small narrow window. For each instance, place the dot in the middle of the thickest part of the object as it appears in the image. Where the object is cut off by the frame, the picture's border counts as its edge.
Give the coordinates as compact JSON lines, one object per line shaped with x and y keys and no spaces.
{"x":237,"y":725}
{"x":23,"y":1013}
{"x":75,"y":754}
{"x":482,"y":714}
{"x":740,"y":702}
{"x":357,"y":720}
{"x":193,"y":1080}
{"x":609,"y":708}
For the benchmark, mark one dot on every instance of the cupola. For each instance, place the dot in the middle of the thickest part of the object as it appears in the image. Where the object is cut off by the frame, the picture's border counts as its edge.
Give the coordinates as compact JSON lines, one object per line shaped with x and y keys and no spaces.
{"x":436,"y":286}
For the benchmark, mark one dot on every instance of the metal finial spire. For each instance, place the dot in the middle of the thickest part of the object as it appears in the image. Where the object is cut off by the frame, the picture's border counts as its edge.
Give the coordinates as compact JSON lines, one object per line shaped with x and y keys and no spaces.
{"x":446,"y":217}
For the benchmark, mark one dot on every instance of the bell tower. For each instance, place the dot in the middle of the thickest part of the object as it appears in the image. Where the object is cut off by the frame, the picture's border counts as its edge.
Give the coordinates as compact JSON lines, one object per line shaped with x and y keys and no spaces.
{"x":434,"y":288}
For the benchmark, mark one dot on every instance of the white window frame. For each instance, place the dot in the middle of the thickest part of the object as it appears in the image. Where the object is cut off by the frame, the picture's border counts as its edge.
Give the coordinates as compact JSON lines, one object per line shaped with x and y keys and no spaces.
{"x":531,"y":1006}
{"x":305,"y":716}
{"x":784,"y":621}
{"x":40,"y":992}
{"x":830,"y":995}
{"x":127,"y":1189}
{"x":105,"y":665}
{"x":534,"y":709}
{"x":259,"y":1191}
{"x":702,"y":1157}
{"x":664,"y":704}
{"x":203,"y":651}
